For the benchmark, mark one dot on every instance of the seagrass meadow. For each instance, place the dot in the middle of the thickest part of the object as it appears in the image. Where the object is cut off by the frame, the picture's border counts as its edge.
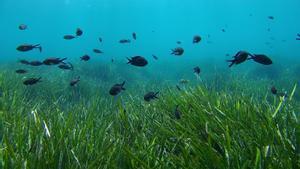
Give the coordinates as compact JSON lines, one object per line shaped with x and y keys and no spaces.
{"x":140,"y":84}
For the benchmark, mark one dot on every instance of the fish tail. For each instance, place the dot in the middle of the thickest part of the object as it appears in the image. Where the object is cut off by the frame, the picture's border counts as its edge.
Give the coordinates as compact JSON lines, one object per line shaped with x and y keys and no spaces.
{"x":232,"y":62}
{"x":129,"y":60}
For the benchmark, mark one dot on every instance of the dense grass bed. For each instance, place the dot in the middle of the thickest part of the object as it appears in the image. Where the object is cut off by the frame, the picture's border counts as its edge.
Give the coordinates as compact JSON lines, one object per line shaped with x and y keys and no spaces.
{"x":50,"y":126}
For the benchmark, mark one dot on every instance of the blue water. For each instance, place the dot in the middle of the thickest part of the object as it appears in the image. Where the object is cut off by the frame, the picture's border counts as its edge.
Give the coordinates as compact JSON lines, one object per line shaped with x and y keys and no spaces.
{"x":158,"y":24}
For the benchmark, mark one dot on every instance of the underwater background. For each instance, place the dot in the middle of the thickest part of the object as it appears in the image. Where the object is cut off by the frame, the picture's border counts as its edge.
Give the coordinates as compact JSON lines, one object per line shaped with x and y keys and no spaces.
{"x":220,"y":117}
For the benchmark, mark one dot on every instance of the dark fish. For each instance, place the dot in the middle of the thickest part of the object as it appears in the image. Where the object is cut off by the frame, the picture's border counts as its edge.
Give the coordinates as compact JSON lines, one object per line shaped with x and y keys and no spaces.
{"x":269,"y":30}
{"x":31,"y":81}
{"x":262,"y":59}
{"x":177,"y":51}
{"x":69,"y":37}
{"x":137,"y":61}
{"x":150,"y":96}
{"x":21,"y":71}
{"x":197,"y":70}
{"x":67,"y":66}
{"x":155,"y":57}
{"x":75,"y":81}
{"x":97,"y":51}
{"x":134,"y":35}
{"x":240,"y":57}
{"x":271,"y":17}
{"x":25,"y":47}
{"x":36,"y":63}
{"x":273,"y":90}
{"x":197,"y":39}
{"x":124,"y":41}
{"x":100,"y":40}
{"x":116,"y":89}
{"x":25,"y":62}
{"x":79,"y":32}
{"x":177,"y":113}
{"x":178,"y":88}
{"x":178,"y":42}
{"x":223,"y":30}
{"x":85,"y":57}
{"x":298,"y":36}
{"x":227,"y":54}
{"x":53,"y":61}
{"x":22,"y":27}
{"x":112,"y":60}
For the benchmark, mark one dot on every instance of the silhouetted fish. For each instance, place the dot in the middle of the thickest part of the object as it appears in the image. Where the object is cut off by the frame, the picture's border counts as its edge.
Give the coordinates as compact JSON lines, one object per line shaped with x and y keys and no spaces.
{"x":197,"y":70}
{"x":134,"y":35}
{"x":53,"y":61}
{"x":25,"y":62}
{"x":116,"y":89}
{"x":69,"y":37}
{"x":97,"y":51}
{"x":178,"y":88}
{"x":36,"y":63}
{"x":75,"y":81}
{"x":100,"y":40}
{"x":273,"y":90}
{"x":31,"y":81}
{"x":79,"y":32}
{"x":271,"y":17}
{"x":22,"y":27}
{"x":197,"y":39}
{"x":223,"y":30}
{"x":177,"y":113}
{"x":178,"y":42}
{"x":262,"y":59}
{"x":240,"y":57}
{"x":155,"y":57}
{"x":85,"y":57}
{"x":21,"y":71}
{"x":137,"y":61}
{"x":177,"y":51}
{"x":26,"y":47}
{"x":298,"y":36}
{"x":150,"y":96}
{"x":66,"y":66}
{"x":124,"y":41}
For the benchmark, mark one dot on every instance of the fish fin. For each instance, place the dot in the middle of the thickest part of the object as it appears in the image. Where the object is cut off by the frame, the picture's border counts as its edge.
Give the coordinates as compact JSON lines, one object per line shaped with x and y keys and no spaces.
{"x":129,"y":60}
{"x":123,"y":88}
{"x":297,"y":38}
{"x":232,"y":62}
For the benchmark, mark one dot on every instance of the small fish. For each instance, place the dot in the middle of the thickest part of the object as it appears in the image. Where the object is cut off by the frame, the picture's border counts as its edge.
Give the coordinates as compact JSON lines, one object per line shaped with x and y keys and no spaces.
{"x":26,"y":47}
{"x":97,"y":51}
{"x":273,"y":90}
{"x":197,"y":70}
{"x":137,"y":61}
{"x":25,"y":62}
{"x":35,"y":63}
{"x":184,"y":81}
{"x":178,"y":42}
{"x":66,"y":66}
{"x":112,"y":60}
{"x":177,"y":112}
{"x":22,"y":27}
{"x":178,"y":88}
{"x":116,"y":89}
{"x":21,"y":71}
{"x":150,"y":96}
{"x":227,"y":54}
{"x":31,"y":81}
{"x":85,"y":57}
{"x":124,"y":41}
{"x":134,"y":35}
{"x":269,"y":29}
{"x":197,"y":39}
{"x":177,"y":51}
{"x":155,"y":57}
{"x":75,"y":81}
{"x":271,"y":17}
{"x":239,"y":57}
{"x":54,"y":61}
{"x":79,"y":32}
{"x":69,"y":37}
{"x":223,"y":30}
{"x":100,"y":40}
{"x":298,"y":36}
{"x":262,"y":59}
